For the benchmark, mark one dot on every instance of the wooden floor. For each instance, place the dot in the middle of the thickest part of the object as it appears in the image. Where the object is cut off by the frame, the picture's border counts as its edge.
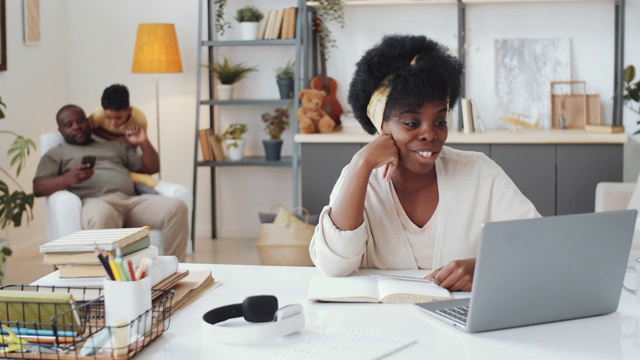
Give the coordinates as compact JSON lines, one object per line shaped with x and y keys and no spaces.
{"x":25,"y":265}
{"x":225,"y":251}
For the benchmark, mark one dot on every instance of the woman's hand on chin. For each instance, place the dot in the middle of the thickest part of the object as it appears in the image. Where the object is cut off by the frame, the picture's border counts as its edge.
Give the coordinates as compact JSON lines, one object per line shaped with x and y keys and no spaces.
{"x":455,"y":276}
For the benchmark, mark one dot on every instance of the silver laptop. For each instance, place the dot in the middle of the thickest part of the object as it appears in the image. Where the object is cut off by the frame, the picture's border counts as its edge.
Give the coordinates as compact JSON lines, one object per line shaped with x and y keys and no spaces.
{"x":542,"y":270}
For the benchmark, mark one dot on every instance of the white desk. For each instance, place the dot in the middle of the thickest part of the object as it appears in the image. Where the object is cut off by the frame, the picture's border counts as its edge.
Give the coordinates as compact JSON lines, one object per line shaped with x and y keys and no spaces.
{"x":613,"y":336}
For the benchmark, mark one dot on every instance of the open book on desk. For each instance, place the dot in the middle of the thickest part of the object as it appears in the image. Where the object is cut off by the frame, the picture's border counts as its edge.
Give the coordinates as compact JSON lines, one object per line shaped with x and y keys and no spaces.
{"x":372,"y":289}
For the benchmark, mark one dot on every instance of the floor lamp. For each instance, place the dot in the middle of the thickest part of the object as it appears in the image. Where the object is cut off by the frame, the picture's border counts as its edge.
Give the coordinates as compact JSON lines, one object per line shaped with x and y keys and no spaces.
{"x":156,"y":52}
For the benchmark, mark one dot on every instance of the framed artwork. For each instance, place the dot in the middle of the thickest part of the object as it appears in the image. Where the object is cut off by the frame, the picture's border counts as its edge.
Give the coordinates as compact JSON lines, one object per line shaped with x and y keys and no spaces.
{"x":524,"y":68}
{"x":3,"y":37}
{"x":31,"y":21}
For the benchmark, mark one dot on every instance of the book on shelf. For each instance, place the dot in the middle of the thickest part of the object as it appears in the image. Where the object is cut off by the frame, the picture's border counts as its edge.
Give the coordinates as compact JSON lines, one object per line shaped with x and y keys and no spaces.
{"x":291,"y":23}
{"x":277,"y":26}
{"x":271,"y":23}
{"x":38,"y":309}
{"x":89,"y":257}
{"x":372,"y":289}
{"x":607,"y":129}
{"x":203,"y":135}
{"x":476,"y":115}
{"x":265,"y":23}
{"x":86,"y":240}
{"x":467,"y":115}
{"x":97,"y":270}
{"x":216,"y":146}
{"x":284,"y":31}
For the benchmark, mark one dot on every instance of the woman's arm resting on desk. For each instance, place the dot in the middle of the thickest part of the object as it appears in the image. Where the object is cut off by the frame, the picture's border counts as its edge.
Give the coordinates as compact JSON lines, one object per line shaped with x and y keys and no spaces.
{"x":455,"y":276}
{"x":336,"y":252}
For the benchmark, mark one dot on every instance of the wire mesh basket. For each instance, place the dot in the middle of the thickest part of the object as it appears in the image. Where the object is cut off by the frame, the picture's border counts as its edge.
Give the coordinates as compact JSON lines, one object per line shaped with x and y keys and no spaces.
{"x":47,"y":322}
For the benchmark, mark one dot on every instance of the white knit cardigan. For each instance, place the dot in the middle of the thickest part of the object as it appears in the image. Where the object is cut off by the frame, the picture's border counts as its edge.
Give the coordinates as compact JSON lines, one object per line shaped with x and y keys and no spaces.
{"x":472,"y":189}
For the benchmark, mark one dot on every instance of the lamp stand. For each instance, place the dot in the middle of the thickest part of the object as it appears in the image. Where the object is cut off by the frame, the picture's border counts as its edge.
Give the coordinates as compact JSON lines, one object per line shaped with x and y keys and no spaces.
{"x":158,"y":121}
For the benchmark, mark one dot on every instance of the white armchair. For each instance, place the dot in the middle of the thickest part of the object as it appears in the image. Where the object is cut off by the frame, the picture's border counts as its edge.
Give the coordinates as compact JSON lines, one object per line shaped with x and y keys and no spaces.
{"x":64,"y":208}
{"x":619,"y":196}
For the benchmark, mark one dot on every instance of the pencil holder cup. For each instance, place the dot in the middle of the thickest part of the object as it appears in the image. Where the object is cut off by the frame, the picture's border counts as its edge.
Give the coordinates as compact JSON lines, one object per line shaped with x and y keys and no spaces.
{"x":128,"y":301}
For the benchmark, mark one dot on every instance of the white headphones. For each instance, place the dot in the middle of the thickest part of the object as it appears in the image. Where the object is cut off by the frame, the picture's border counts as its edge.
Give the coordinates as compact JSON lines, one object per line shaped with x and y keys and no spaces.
{"x":265,"y":322}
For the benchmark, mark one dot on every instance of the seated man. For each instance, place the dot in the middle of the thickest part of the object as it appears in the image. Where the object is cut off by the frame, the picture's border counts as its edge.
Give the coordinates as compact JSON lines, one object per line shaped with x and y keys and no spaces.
{"x":107,"y":191}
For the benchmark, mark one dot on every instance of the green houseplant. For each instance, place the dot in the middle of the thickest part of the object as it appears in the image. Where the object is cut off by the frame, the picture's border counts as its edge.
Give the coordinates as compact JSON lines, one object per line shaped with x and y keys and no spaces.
{"x":221,"y":23}
{"x":228,"y":75}
{"x":631,"y":96}
{"x":284,"y":78}
{"x":249,"y":17}
{"x":233,"y":141}
{"x":328,"y":10}
{"x":14,"y":205}
{"x":275,"y":125}
{"x":249,"y":14}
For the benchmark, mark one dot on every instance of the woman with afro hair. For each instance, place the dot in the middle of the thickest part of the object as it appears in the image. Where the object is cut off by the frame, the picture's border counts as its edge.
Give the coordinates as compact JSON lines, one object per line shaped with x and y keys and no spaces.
{"x":406,"y":201}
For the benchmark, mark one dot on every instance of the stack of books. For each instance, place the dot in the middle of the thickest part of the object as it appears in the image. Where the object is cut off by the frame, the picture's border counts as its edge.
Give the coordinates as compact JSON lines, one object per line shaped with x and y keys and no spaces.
{"x":279,"y":24}
{"x":210,"y":145}
{"x":75,"y":255}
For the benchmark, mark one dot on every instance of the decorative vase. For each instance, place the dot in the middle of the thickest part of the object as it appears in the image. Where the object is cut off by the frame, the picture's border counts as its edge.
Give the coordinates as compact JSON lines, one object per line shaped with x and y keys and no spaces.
{"x":272,"y":149}
{"x":235,"y":149}
{"x":249,"y":30}
{"x":286,"y":88}
{"x":225,"y":92}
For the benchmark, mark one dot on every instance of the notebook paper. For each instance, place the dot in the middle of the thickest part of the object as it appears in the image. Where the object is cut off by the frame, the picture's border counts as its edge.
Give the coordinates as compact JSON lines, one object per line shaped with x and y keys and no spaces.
{"x":348,"y":344}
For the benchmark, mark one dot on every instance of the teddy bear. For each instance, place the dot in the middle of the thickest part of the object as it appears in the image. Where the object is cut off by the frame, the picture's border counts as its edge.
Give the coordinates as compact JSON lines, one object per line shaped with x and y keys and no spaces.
{"x":310,"y":114}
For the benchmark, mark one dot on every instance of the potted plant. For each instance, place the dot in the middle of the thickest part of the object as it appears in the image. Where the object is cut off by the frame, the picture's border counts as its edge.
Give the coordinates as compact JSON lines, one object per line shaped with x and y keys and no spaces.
{"x":328,"y":10}
{"x":631,"y":92}
{"x":14,"y":205}
{"x":275,"y":125}
{"x":233,"y":141}
{"x":228,"y":75}
{"x":284,"y":78}
{"x":249,"y":17}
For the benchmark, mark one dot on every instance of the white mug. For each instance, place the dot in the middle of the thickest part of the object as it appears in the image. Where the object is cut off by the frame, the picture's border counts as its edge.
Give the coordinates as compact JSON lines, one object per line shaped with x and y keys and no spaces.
{"x":630,"y":328}
{"x":636,"y":291}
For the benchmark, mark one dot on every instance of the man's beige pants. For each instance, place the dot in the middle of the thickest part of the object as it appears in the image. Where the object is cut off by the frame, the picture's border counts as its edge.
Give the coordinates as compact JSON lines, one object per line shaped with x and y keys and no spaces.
{"x":117,"y":210}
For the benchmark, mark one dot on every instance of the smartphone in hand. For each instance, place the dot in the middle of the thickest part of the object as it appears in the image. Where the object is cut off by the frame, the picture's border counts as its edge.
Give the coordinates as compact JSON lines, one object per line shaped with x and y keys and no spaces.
{"x":89,"y":159}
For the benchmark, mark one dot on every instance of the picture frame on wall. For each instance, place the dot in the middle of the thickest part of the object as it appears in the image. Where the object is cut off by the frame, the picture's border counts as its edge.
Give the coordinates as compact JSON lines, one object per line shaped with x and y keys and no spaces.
{"x":3,"y":37}
{"x":31,"y":21}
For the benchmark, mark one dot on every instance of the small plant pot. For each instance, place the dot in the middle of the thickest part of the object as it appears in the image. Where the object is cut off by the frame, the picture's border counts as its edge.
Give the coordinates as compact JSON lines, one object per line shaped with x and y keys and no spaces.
{"x":286,"y":88}
{"x":249,"y":30}
{"x":235,"y":149}
{"x":272,"y":149}
{"x":225,"y":92}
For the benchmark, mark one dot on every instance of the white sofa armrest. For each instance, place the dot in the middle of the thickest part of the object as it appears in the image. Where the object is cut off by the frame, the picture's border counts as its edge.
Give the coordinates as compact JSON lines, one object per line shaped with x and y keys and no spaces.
{"x":613,"y":195}
{"x":64,"y":211}
{"x":183,"y":193}
{"x":174,"y":190}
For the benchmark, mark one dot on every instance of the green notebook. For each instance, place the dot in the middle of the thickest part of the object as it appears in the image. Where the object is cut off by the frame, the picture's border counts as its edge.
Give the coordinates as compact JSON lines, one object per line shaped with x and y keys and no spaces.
{"x":39,"y":310}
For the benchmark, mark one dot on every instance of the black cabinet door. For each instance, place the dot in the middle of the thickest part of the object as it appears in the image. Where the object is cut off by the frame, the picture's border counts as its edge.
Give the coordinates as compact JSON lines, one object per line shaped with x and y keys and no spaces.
{"x":580,"y":169}
{"x":321,"y":165}
{"x":533,"y":169}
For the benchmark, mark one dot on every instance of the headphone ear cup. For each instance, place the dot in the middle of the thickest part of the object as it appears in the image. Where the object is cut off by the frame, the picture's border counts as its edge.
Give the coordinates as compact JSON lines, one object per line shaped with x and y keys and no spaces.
{"x":261,"y":308}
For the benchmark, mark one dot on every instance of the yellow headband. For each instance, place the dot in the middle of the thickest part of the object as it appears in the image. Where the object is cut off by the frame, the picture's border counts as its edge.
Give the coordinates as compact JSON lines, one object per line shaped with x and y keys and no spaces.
{"x":375,"y":109}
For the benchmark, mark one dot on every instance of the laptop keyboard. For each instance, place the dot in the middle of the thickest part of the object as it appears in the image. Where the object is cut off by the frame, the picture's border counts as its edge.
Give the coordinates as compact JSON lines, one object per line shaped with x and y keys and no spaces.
{"x":457,"y":314}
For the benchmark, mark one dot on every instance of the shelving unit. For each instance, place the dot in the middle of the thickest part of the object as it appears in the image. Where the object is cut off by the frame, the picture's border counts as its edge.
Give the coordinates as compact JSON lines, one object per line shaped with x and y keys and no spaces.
{"x":570,"y":178}
{"x":461,"y":36}
{"x":210,"y":44}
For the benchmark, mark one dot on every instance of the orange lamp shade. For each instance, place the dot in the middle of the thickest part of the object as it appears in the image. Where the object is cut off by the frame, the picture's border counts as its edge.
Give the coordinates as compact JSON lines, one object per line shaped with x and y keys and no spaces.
{"x":156,"y":50}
